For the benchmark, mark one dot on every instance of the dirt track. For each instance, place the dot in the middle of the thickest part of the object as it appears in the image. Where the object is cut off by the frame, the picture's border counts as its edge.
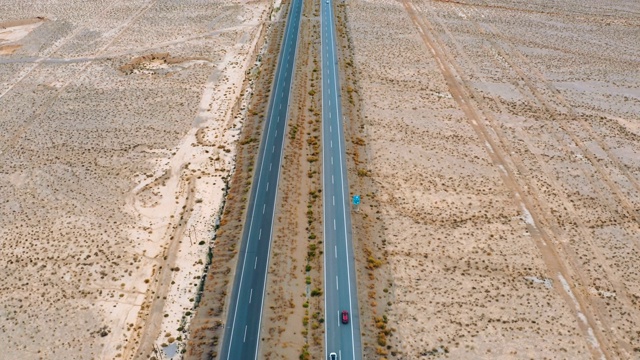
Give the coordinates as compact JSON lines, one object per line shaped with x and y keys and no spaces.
{"x":505,"y":142}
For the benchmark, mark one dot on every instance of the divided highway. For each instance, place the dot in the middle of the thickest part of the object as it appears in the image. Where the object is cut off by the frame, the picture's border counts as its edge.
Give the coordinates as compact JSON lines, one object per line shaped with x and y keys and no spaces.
{"x":242,"y":331}
{"x":339,"y":268}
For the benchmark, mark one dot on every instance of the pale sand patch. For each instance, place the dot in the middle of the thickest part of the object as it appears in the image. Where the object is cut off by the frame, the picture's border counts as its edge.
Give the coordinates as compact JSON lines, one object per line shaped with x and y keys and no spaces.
{"x":12,"y":31}
{"x":214,"y":118}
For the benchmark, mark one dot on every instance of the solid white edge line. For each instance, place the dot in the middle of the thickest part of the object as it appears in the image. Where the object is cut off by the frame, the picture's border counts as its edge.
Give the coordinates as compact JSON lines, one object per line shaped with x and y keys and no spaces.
{"x":244,"y":261}
{"x":324,"y":215}
{"x":286,"y":120}
{"x":335,"y":79}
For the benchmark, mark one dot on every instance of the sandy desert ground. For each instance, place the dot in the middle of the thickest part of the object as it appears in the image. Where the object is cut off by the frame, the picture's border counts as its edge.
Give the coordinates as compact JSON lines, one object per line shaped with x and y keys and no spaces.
{"x":118,"y":125}
{"x":504,"y":143}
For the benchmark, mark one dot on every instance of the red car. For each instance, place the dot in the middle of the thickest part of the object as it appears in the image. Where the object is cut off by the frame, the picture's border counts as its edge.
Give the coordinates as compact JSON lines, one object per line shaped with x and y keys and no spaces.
{"x":345,"y":317}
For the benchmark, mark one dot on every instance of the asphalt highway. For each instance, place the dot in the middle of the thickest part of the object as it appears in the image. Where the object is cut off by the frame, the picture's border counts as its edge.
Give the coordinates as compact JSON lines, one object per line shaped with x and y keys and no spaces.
{"x":242,"y":330}
{"x":339,"y":268}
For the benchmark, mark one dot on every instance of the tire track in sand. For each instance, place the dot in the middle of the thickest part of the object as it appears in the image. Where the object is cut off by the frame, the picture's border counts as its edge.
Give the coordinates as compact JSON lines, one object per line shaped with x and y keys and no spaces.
{"x":615,"y":282}
{"x":584,"y":318}
{"x":55,"y":47}
{"x":44,"y":108}
{"x":491,"y":32}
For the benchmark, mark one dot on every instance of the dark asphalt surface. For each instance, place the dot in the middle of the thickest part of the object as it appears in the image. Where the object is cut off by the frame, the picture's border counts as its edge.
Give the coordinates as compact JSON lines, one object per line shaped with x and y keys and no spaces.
{"x":242,"y":330}
{"x":339,"y":268}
